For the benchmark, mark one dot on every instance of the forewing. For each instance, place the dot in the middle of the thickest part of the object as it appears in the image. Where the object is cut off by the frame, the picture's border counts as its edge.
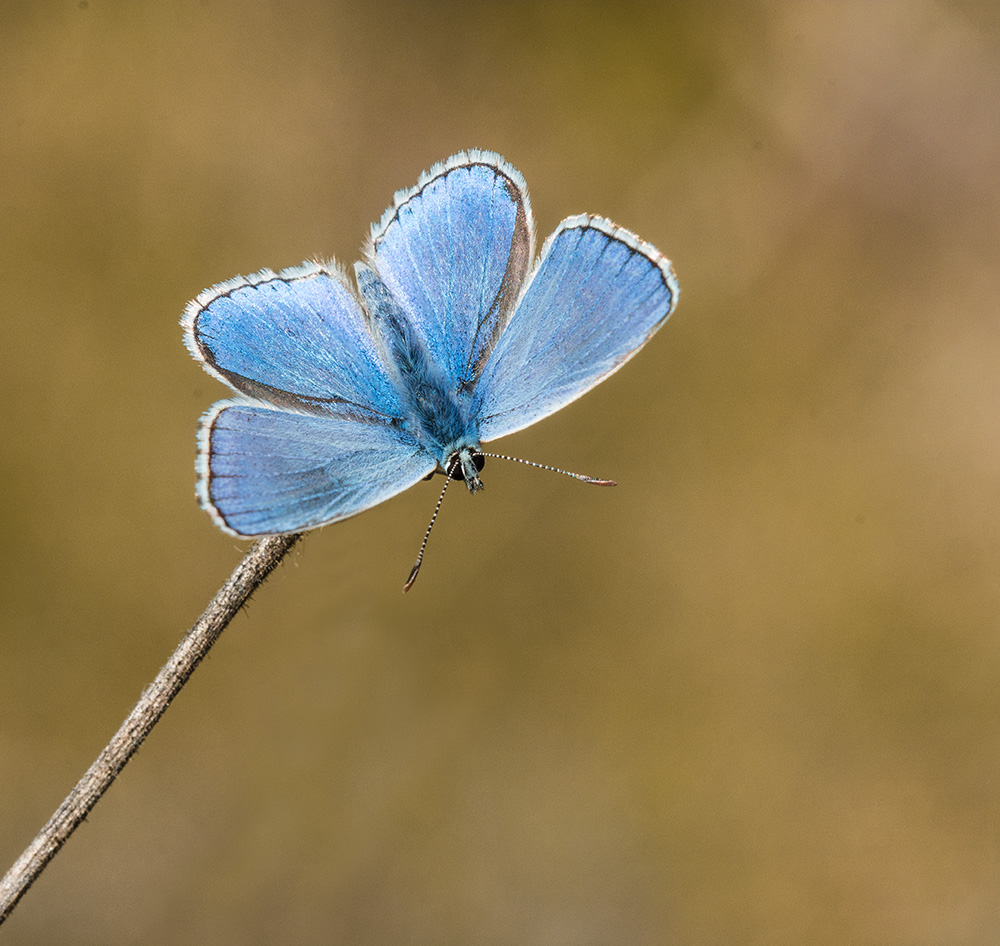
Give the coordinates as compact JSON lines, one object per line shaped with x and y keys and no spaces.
{"x":596,"y":296}
{"x":297,"y":339}
{"x":454,"y":251}
{"x":263,"y":471}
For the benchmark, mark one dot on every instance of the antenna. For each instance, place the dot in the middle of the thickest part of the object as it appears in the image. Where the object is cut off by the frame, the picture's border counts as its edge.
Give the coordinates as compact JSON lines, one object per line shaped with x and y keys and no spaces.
{"x":427,"y":534}
{"x":541,"y":466}
{"x":454,"y":468}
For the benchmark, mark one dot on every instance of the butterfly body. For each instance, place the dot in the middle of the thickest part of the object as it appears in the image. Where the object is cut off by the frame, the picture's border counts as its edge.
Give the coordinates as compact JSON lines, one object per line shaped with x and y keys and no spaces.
{"x":437,"y":409}
{"x":453,"y":334}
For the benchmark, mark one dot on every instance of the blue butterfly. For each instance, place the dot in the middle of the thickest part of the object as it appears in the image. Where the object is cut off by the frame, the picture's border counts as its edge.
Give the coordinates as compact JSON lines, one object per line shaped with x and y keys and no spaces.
{"x":453,"y":335}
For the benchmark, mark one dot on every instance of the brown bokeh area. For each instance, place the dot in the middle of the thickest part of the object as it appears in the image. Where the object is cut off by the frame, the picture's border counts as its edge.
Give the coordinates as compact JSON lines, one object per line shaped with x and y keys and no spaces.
{"x":749,"y":696}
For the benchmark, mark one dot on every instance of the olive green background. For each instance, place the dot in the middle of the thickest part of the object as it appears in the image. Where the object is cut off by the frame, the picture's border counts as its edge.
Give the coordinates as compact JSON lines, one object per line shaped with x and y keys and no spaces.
{"x":750,"y":696}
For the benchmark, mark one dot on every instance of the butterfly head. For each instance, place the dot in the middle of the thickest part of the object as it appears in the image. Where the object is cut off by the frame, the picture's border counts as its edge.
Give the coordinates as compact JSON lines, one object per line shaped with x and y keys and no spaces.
{"x":466,"y":464}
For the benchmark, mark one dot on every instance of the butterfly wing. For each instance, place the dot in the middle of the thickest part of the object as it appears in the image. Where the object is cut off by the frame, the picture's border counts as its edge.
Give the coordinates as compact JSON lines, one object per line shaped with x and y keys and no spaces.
{"x":297,"y":339}
{"x":454,"y":251}
{"x":264,"y":470}
{"x":595,"y":297}
{"x":318,"y":435}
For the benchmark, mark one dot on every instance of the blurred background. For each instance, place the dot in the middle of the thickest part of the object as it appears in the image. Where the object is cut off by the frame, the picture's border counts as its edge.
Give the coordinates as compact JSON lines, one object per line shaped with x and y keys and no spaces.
{"x":750,"y":696}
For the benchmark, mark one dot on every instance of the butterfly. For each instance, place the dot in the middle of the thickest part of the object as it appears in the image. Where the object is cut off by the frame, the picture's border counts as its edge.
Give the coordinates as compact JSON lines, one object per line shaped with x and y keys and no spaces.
{"x":451,"y":334}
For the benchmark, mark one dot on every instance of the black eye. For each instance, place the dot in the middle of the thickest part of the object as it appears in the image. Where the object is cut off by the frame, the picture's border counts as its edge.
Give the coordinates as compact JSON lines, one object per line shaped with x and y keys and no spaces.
{"x":478,"y":461}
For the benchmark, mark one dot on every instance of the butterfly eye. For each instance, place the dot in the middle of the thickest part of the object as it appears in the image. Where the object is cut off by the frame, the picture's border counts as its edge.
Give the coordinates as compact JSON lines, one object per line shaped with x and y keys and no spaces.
{"x":454,"y":464}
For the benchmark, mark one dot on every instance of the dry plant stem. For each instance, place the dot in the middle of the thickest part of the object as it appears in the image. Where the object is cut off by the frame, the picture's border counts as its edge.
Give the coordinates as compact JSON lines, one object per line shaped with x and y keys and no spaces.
{"x":255,"y":567}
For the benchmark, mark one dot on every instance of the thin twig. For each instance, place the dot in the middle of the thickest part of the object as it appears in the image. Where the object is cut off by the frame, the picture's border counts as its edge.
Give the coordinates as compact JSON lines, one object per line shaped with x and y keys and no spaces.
{"x":255,"y":567}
